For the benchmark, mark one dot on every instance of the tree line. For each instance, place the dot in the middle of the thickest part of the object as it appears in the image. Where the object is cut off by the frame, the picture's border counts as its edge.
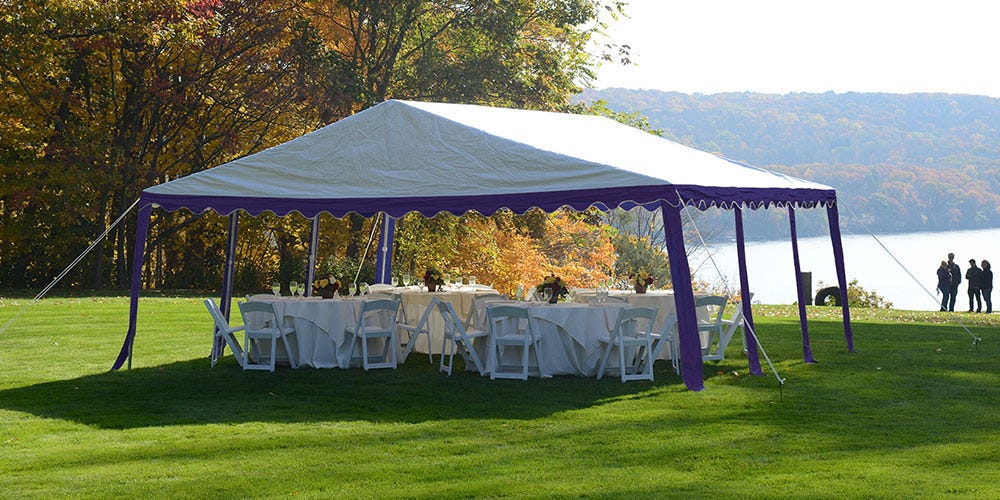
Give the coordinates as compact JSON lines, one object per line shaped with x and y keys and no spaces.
{"x":901,"y":163}
{"x":101,"y":99}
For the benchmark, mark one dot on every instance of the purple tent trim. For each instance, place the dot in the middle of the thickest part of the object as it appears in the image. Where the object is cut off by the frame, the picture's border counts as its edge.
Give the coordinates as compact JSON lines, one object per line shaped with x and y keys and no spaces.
{"x":753,"y":357}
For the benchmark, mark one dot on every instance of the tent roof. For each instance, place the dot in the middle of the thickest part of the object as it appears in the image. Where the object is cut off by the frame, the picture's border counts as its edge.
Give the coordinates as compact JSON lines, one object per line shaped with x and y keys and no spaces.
{"x":401,"y":156}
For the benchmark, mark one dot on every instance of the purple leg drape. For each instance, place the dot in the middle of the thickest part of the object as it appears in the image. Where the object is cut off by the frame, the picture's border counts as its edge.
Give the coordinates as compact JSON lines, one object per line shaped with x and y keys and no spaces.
{"x":838,"y":260}
{"x":680,"y":276}
{"x":807,"y":355}
{"x":753,"y":358}
{"x":383,"y":261}
{"x":141,"y":227}
{"x":226,"y":302}
{"x":313,"y":248}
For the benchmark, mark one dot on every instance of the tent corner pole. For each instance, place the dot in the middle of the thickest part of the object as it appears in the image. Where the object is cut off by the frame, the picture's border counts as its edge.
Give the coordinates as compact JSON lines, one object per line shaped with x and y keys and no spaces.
{"x":807,"y":355}
{"x":138,"y":256}
{"x":749,"y":341}
{"x":680,"y":276}
{"x":833,"y":218}
{"x":313,"y":248}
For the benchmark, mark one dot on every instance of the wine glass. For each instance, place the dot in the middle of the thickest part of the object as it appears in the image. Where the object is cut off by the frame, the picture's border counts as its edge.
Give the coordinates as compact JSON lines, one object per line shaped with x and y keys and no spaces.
{"x":293,"y":287}
{"x":406,"y":279}
{"x":301,"y":290}
{"x":456,"y":280}
{"x":519,"y":292}
{"x":352,"y":289}
{"x":472,"y":279}
{"x":363,"y":288}
{"x":276,"y":288}
{"x":394,"y":280}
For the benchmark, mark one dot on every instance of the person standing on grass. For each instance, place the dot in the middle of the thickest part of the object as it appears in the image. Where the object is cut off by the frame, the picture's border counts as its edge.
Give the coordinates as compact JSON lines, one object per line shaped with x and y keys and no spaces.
{"x":972,"y":275}
{"x":944,"y":284}
{"x":956,"y":278}
{"x":986,"y":285}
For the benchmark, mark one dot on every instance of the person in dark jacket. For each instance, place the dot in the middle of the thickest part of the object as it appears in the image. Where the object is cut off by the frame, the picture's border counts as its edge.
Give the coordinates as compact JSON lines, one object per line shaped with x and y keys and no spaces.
{"x":956,"y":279}
{"x":986,"y":285}
{"x":972,"y":276}
{"x":944,"y":284}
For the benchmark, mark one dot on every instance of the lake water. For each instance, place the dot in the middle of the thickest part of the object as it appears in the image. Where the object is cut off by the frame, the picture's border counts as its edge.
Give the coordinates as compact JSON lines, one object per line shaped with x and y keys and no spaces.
{"x":772,"y":274}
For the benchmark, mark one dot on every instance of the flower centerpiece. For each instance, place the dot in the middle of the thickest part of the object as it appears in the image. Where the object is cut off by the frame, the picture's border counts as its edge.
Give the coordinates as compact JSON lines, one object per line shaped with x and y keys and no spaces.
{"x":433,"y":278}
{"x":326,"y":287}
{"x":641,"y":280}
{"x":556,"y":285}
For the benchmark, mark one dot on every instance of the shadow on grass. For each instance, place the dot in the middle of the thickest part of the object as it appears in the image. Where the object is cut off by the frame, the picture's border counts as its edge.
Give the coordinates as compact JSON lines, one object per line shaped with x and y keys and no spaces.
{"x":190,"y":392}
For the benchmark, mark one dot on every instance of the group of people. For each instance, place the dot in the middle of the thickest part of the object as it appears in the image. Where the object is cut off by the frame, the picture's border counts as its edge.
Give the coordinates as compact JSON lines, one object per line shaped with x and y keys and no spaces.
{"x":979,"y":279}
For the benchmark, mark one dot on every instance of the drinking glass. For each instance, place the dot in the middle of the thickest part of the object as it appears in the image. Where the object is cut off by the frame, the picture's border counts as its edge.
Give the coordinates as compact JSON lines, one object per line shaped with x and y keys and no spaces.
{"x":293,"y":287}
{"x":406,"y":279}
{"x":447,"y":279}
{"x":602,"y":293}
{"x":472,"y":279}
{"x":352,"y":289}
{"x":276,"y":289}
{"x":301,"y":290}
{"x":519,"y":292}
{"x":547,"y":294}
{"x":456,"y":280}
{"x":363,"y":288}
{"x":394,"y":280}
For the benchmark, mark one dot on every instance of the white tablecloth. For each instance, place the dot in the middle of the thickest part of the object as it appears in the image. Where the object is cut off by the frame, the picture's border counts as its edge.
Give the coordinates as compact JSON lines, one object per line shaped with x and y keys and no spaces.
{"x":320,"y":339}
{"x":415,"y":302}
{"x":663,"y":299}
{"x":569,"y":332}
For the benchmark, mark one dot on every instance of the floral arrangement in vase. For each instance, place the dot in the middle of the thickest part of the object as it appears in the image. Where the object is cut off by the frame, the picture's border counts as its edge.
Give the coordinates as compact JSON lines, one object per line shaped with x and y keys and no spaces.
{"x":556,"y":285}
{"x":433,"y":279}
{"x":641,"y":280}
{"x":326,"y":287}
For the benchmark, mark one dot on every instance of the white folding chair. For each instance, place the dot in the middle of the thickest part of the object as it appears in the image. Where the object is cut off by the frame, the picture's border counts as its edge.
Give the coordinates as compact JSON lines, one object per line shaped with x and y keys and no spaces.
{"x":479,"y":302}
{"x":376,"y":321}
{"x":505,"y":323}
{"x":717,"y":352}
{"x":272,"y":330}
{"x":668,"y":335}
{"x":635,"y":347}
{"x":461,"y":340}
{"x":413,"y":332}
{"x":225,"y":332}
{"x":381,"y":287}
{"x":716,"y":305}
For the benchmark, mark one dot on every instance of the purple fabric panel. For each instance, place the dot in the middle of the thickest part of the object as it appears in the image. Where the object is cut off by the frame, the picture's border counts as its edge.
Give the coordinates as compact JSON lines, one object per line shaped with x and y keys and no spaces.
{"x":753,"y":357}
{"x":313,"y":247}
{"x":225,"y":302}
{"x":687,"y":322}
{"x":227,"y":273}
{"x":698,"y":196}
{"x":807,"y":354}
{"x":138,"y":255}
{"x":838,"y":260}
{"x":383,"y":262}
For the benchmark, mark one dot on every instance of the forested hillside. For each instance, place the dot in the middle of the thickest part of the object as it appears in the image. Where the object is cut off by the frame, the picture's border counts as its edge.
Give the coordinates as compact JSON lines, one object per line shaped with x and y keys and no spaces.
{"x":913,"y":162}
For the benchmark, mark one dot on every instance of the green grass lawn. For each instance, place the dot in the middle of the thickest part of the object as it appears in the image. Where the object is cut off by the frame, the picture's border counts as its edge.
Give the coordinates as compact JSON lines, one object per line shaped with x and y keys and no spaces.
{"x":914,"y":412}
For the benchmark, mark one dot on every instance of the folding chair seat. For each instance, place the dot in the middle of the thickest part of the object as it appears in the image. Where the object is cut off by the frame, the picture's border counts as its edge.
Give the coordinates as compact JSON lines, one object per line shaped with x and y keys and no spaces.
{"x":635,"y":346}
{"x":461,"y":340}
{"x":272,"y":330}
{"x":224,"y":335}
{"x":376,"y":321}
{"x":413,"y":332}
{"x":505,"y":324}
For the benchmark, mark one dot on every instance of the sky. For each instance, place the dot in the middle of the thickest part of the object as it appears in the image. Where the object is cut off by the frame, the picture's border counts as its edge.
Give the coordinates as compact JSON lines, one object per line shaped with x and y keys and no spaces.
{"x":782,"y":46}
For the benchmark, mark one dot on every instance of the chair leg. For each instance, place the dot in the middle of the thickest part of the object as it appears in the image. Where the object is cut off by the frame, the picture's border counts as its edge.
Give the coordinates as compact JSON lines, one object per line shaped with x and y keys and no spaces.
{"x":604,"y":360}
{"x":364,"y":351}
{"x":491,"y":362}
{"x":524,"y":360}
{"x":274,"y":350}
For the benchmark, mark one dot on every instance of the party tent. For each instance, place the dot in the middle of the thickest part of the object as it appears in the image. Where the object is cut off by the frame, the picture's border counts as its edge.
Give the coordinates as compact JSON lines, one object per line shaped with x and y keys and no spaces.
{"x":402,"y":156}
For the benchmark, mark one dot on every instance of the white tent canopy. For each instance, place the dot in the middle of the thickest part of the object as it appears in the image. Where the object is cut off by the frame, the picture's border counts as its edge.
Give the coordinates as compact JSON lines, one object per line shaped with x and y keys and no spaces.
{"x":402,"y":156}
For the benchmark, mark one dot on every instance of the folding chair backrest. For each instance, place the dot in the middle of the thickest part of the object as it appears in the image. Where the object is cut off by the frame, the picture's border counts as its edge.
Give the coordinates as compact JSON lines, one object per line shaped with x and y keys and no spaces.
{"x":505,"y":320}
{"x":265,"y":308}
{"x":449,"y":315}
{"x":378,"y":313}
{"x":217,"y":317}
{"x":716,"y":301}
{"x":479,"y":303}
{"x":628,"y":319}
